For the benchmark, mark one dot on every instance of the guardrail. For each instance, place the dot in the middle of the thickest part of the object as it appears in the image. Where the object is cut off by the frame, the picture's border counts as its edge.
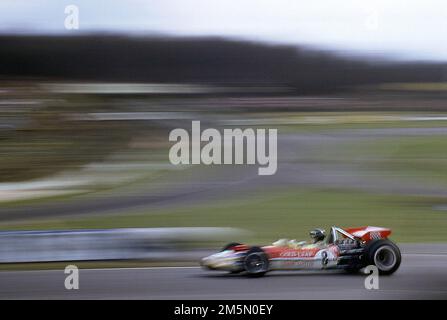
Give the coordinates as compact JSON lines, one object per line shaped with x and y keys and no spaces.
{"x":107,"y":244}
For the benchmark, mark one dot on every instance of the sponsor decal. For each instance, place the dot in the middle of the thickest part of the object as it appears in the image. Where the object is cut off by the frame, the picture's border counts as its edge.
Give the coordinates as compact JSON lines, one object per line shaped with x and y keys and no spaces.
{"x":298,"y":254}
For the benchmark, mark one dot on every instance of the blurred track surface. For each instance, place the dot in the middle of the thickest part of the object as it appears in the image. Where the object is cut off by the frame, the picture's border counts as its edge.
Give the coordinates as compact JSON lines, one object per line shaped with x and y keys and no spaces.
{"x":421,"y":276}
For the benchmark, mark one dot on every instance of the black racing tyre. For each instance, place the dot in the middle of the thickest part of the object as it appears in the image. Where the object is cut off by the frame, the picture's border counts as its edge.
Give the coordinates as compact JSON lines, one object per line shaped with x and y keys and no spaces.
{"x":256,"y":262}
{"x":230,"y":245}
{"x":383,"y":254}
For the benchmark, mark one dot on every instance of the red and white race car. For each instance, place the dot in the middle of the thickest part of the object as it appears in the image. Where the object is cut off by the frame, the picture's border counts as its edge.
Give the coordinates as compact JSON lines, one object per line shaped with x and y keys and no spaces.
{"x":350,"y":249}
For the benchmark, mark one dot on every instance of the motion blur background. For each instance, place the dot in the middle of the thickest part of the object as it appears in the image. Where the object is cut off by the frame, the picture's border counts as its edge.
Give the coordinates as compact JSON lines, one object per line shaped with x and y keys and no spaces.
{"x":356,"y":89}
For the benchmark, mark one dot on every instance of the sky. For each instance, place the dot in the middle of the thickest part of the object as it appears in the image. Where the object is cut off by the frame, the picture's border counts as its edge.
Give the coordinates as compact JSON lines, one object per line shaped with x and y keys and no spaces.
{"x":403,"y":29}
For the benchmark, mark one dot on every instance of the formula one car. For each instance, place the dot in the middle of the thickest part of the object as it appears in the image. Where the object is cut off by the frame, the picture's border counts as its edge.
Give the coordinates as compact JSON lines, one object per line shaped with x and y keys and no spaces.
{"x":350,"y":249}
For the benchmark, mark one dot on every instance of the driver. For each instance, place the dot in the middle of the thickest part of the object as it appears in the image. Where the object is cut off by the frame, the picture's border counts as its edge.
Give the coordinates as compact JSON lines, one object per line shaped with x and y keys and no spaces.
{"x":317,"y":235}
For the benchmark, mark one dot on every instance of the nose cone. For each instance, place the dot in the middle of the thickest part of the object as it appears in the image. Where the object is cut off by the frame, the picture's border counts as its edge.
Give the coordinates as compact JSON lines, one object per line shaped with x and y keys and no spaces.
{"x":206,"y":263}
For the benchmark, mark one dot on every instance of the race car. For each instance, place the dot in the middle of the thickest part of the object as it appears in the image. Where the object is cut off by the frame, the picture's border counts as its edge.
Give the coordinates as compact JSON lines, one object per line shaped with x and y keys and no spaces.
{"x":350,"y":249}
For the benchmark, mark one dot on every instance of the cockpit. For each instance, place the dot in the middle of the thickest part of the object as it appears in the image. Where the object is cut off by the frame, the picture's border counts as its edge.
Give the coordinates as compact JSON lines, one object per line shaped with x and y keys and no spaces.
{"x":335,"y":236}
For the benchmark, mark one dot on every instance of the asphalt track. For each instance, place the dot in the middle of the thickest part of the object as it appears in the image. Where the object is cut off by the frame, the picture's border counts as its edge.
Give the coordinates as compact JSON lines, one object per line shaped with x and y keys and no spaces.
{"x":421,"y":276}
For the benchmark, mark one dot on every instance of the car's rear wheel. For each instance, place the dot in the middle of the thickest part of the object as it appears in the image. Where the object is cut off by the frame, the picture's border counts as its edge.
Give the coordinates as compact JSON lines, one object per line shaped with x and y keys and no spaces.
{"x":384,"y":254}
{"x":256,"y":262}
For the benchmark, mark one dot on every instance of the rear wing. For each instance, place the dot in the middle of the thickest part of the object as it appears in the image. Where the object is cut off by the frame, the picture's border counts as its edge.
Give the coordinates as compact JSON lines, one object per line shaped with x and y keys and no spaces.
{"x":369,"y":233}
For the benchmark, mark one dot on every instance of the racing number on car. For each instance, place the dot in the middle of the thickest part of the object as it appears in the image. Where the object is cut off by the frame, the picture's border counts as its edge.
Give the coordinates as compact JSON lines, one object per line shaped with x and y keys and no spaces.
{"x":324,"y":258}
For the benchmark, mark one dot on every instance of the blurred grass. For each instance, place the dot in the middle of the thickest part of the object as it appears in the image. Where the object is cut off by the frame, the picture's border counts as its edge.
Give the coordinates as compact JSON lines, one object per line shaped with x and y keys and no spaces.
{"x":53,"y":137}
{"x":341,"y":120}
{"x":287,"y":214}
{"x":331,"y":127}
{"x":43,"y":149}
{"x":423,"y":157}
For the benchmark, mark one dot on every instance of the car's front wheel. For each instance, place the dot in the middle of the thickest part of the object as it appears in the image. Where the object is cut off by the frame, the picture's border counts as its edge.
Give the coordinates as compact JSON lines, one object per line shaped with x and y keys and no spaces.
{"x":256,"y":262}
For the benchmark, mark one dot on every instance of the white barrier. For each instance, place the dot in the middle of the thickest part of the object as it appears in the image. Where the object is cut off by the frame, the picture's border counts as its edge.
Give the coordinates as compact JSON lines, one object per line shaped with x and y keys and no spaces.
{"x":106,"y":244}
